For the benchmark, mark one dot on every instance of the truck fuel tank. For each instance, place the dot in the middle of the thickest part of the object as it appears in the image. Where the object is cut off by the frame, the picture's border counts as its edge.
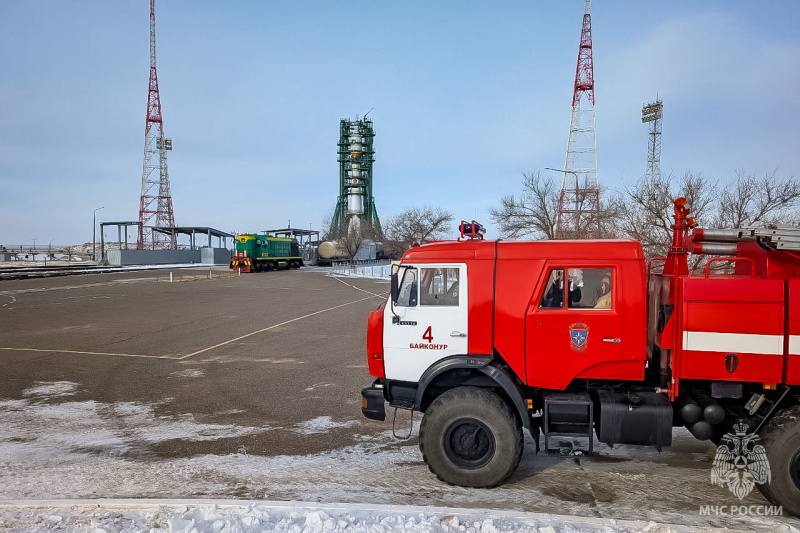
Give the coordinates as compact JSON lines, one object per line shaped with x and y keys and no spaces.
{"x":643,"y":418}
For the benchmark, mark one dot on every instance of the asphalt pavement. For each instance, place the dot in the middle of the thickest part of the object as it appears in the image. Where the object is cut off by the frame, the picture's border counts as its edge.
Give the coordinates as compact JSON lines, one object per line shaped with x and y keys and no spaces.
{"x":273,"y":349}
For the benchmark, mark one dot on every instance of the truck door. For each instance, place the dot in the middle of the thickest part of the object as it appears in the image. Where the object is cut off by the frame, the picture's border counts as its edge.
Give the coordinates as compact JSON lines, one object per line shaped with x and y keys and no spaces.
{"x":427,"y":322}
{"x":574,"y":327}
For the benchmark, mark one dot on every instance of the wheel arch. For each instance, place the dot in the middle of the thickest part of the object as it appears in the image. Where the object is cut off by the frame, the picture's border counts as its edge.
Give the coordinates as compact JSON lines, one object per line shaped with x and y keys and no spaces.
{"x":788,"y":400}
{"x":473,"y":370}
{"x":781,"y":440}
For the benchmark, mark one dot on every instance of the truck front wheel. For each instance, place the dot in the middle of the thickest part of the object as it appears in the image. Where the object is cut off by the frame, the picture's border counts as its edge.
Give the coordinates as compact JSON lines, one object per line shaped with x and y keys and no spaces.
{"x":470,"y":437}
{"x":781,"y":440}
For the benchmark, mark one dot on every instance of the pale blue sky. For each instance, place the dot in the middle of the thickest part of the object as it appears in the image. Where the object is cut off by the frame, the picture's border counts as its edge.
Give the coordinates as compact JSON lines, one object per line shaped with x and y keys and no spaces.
{"x":466,"y":96}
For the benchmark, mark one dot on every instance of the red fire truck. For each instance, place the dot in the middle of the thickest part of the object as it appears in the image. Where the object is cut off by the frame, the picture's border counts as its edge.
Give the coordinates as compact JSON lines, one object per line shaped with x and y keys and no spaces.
{"x":572,"y":339}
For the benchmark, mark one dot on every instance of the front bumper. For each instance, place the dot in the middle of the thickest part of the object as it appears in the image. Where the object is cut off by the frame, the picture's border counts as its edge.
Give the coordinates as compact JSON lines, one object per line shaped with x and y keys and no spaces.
{"x":373,"y":401}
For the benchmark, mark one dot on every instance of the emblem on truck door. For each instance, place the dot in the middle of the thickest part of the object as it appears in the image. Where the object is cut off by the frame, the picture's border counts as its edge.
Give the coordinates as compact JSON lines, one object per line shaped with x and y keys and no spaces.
{"x":578,"y":336}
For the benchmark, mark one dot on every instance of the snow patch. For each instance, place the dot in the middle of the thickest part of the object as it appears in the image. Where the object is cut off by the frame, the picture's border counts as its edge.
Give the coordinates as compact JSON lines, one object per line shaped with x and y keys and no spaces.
{"x":317,"y":386}
{"x":51,"y":389}
{"x":189,"y":373}
{"x":321,"y":424}
{"x":95,"y":428}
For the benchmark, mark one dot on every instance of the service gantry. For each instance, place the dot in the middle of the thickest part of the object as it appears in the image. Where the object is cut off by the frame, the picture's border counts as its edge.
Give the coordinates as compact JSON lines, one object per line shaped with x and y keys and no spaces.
{"x":355,"y":204}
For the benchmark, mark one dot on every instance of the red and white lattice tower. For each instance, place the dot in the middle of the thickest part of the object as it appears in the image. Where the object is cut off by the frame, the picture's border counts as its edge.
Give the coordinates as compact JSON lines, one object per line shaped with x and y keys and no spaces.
{"x":155,"y":206}
{"x":579,"y":203}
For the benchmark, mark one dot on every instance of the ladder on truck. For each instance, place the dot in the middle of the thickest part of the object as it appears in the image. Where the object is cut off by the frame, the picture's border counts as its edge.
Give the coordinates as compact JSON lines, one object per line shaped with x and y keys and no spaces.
{"x":771,"y":237}
{"x":777,"y":237}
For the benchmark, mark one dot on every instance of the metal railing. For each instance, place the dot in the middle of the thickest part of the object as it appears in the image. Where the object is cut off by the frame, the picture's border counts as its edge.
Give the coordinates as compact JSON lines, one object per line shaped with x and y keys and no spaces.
{"x":381,"y":271}
{"x":211,"y":274}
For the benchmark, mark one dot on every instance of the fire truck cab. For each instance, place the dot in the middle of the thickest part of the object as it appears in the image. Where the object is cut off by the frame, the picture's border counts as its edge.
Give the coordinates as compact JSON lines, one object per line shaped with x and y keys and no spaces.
{"x":539,"y":309}
{"x":577,"y":339}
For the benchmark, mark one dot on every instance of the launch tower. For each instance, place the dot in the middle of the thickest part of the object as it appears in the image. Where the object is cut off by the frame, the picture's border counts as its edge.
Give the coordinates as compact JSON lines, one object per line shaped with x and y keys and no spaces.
{"x":355,"y":204}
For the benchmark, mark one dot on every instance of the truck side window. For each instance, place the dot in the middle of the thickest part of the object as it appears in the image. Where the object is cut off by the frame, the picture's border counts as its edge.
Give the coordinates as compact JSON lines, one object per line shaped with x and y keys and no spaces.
{"x":556,"y":289}
{"x":596,"y":288}
{"x":439,"y":286}
{"x":408,"y":289}
{"x":604,"y":290}
{"x":553,"y":295}
{"x":575,"y":278}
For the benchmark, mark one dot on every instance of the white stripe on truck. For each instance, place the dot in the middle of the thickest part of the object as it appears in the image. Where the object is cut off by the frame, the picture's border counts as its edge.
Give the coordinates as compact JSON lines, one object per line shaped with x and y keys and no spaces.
{"x":794,"y":344}
{"x":706,"y":341}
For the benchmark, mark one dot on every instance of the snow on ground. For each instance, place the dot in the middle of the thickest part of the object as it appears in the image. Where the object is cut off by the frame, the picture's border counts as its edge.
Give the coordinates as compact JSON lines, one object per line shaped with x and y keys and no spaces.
{"x":57,"y":449}
{"x":192,"y":516}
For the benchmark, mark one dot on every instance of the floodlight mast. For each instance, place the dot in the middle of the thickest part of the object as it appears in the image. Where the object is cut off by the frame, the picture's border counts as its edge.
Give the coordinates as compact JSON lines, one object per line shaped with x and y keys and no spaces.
{"x":652,"y":114}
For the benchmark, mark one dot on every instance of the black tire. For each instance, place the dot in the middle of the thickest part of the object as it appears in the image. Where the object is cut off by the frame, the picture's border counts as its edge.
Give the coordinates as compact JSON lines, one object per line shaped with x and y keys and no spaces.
{"x":470,"y":437}
{"x":781,"y":440}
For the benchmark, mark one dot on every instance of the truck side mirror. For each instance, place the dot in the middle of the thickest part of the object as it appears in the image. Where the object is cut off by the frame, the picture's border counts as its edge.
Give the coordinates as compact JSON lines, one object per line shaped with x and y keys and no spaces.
{"x":395,"y":287}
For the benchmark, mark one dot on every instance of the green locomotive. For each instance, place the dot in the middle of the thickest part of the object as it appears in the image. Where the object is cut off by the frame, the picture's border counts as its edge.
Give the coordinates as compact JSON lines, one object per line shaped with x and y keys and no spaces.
{"x":258,"y":253}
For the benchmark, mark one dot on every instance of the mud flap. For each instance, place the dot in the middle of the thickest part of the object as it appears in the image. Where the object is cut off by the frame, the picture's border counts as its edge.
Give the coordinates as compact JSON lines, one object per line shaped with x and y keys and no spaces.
{"x":372,"y":402}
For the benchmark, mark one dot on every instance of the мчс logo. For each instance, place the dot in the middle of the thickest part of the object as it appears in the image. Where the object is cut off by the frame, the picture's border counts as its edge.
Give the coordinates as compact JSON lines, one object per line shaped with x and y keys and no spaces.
{"x":578,"y":336}
{"x":740,"y":462}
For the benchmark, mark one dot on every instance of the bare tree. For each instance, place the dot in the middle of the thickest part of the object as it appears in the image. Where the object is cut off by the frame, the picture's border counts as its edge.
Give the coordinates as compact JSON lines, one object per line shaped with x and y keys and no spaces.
{"x":647,"y":215}
{"x":599,"y":223}
{"x":746,"y":202}
{"x":416,"y":226}
{"x":325,"y":226}
{"x":355,"y":237}
{"x":534,"y":213}
{"x":643,"y":211}
{"x":757,"y":201}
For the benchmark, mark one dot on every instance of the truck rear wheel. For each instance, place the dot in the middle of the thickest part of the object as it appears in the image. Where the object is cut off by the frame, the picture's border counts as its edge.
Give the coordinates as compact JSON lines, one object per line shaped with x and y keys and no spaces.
{"x":470,"y":437}
{"x":781,"y":440}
